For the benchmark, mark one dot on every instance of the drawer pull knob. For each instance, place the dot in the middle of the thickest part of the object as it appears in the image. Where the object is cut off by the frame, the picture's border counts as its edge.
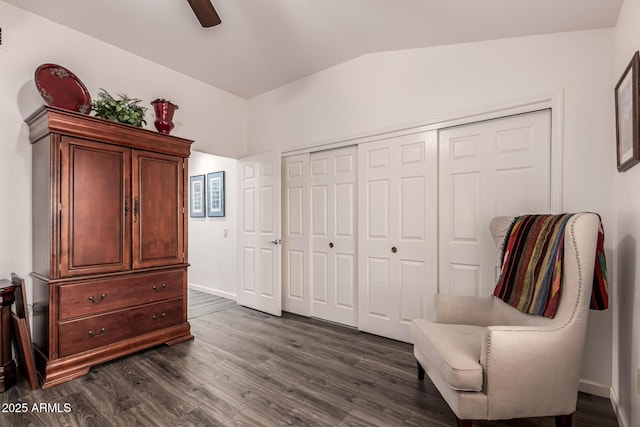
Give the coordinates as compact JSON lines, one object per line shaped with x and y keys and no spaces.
{"x":93,"y":300}
{"x":161,"y":288}
{"x":92,"y":335}
{"x":158,"y":319}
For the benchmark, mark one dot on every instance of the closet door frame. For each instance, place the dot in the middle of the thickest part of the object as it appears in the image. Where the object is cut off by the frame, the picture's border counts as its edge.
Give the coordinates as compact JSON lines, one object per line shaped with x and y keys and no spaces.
{"x":553,"y":101}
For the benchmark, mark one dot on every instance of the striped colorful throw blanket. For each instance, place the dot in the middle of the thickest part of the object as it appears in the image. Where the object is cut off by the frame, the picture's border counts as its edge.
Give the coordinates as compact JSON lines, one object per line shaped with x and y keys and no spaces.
{"x":531,"y":261}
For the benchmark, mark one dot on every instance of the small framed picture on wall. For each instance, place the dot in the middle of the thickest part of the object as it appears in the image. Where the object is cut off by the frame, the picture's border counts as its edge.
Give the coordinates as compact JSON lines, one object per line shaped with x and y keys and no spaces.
{"x":628,"y":116}
{"x":196,"y":196}
{"x":215,"y":194}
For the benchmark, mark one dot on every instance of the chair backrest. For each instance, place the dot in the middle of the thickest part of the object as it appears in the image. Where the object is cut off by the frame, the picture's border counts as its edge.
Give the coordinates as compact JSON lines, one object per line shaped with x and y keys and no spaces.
{"x":580,"y":250}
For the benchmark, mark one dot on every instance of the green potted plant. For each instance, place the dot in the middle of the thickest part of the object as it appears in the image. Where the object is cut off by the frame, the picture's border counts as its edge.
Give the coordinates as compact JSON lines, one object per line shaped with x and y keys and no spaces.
{"x":122,"y":110}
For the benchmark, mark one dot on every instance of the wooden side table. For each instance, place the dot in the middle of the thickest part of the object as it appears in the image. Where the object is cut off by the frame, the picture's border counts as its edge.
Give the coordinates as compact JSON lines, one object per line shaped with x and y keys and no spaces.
{"x":7,"y":365}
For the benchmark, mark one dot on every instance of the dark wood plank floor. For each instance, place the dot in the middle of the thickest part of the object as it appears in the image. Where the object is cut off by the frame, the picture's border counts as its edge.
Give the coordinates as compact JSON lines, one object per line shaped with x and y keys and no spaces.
{"x":246,"y":368}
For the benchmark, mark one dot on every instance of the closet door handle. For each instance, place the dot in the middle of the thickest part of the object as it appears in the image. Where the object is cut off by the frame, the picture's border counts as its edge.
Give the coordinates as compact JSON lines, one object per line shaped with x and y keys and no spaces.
{"x":394,"y":249}
{"x":331,"y":244}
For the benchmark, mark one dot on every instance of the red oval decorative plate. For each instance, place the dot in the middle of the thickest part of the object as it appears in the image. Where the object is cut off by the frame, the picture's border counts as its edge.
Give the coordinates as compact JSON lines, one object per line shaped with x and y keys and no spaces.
{"x":61,"y":88}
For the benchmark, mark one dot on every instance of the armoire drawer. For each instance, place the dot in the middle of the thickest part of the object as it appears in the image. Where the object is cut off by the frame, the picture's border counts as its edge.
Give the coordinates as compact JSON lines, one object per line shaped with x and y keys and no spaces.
{"x":101,"y":296}
{"x":79,"y":335}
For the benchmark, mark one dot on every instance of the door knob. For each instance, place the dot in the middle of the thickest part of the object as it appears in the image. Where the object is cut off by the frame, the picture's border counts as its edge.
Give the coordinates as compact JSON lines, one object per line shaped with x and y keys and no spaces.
{"x":276,"y":241}
{"x":330,"y":244}
{"x":394,"y":249}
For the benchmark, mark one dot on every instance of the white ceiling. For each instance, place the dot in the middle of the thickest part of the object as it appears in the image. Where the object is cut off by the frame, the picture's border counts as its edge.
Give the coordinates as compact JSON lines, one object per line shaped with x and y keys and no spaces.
{"x":264,"y":44}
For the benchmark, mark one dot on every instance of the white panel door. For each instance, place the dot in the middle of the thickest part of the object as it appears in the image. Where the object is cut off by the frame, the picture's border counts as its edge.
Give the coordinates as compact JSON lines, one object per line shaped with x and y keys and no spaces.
{"x":259,"y":222}
{"x":333,"y":235}
{"x":397,"y":241}
{"x":295,"y":243}
{"x":487,"y":169}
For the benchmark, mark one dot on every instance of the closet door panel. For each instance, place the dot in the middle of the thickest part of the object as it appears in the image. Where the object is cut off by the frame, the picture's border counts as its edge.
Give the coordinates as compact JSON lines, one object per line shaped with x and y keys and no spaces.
{"x":397,"y":248}
{"x":333,"y":235}
{"x":296,"y":297}
{"x":487,"y":169}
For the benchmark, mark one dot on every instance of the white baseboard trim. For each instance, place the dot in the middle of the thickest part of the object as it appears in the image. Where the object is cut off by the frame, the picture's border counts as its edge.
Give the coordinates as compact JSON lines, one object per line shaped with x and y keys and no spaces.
{"x":595,"y":388}
{"x":216,"y":292}
{"x":623,"y":421}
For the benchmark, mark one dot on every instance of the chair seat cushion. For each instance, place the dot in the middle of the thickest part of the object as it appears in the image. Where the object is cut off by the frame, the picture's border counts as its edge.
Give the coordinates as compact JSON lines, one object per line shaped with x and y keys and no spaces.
{"x":453,"y":350}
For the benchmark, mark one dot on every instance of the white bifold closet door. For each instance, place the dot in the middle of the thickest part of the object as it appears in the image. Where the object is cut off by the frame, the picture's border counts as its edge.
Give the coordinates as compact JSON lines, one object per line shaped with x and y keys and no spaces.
{"x":491,"y":168}
{"x":296,"y":297}
{"x":333,"y":177}
{"x":397,"y":239}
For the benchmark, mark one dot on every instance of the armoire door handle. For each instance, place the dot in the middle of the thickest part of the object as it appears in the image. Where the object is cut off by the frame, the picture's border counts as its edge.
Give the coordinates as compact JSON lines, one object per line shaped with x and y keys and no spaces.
{"x":136,"y":209}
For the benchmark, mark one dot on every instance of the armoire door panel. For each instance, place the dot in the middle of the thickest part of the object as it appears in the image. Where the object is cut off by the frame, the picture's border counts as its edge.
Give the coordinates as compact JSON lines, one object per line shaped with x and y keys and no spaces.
{"x":157,"y":209}
{"x":94,"y":208}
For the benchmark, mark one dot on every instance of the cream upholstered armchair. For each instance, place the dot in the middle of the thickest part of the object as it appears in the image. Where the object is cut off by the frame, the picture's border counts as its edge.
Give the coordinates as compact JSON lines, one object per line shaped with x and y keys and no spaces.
{"x":490,"y":361}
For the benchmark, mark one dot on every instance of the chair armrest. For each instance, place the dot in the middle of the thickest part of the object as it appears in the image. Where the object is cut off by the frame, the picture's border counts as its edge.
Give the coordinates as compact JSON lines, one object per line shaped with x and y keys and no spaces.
{"x":463,"y":310}
{"x":544,"y":363}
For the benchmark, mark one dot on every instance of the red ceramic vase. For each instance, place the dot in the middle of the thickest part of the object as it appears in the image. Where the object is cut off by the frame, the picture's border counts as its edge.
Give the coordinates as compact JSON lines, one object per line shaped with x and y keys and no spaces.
{"x":164,"y":115}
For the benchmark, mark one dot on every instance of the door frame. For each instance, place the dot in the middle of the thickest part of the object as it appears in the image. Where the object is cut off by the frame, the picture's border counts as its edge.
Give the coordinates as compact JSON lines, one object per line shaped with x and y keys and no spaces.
{"x":553,"y":101}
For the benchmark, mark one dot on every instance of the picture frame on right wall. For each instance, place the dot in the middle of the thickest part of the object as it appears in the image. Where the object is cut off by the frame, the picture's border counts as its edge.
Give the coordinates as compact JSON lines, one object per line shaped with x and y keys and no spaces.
{"x":628,"y":116}
{"x":215,"y":194}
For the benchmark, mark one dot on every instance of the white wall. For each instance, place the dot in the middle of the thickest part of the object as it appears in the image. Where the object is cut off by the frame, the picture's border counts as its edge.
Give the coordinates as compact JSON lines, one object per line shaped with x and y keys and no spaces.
{"x":383,"y":91}
{"x":212,"y":255}
{"x":626,"y":303}
{"x":216,"y":120}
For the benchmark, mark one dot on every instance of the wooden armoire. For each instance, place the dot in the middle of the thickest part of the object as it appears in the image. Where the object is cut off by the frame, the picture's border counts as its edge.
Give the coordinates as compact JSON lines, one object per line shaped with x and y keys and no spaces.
{"x":109,"y":241}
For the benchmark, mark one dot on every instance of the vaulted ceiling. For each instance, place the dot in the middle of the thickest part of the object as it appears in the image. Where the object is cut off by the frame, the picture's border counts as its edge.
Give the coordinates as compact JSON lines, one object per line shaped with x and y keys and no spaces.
{"x":264,"y":44}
